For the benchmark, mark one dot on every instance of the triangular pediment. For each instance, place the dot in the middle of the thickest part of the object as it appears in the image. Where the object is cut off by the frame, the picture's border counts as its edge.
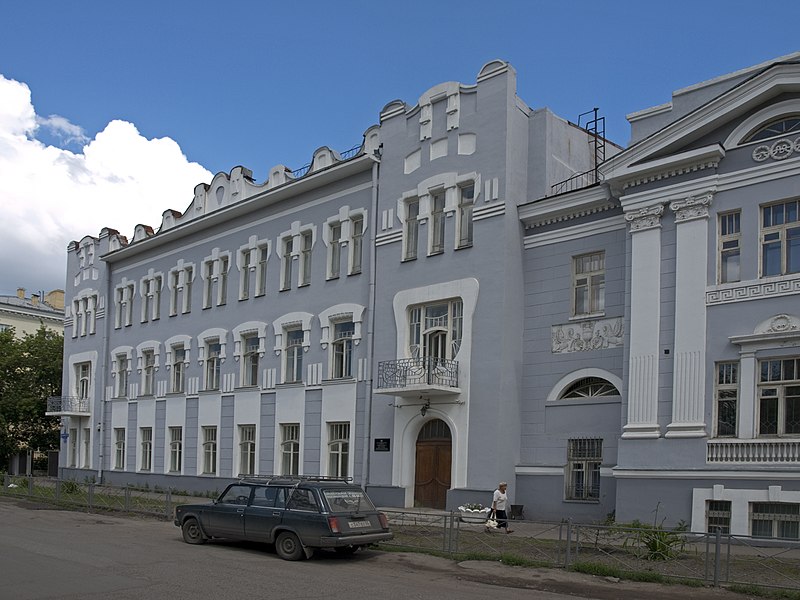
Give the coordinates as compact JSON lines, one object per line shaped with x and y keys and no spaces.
{"x":689,"y":143}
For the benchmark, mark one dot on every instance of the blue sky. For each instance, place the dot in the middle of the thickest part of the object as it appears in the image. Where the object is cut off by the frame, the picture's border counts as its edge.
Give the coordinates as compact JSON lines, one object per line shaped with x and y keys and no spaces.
{"x":121,"y":92}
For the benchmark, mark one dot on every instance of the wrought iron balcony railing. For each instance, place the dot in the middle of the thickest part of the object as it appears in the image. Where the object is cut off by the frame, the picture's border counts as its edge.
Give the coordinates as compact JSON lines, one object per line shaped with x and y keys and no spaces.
{"x":67,"y":404}
{"x":406,"y":372}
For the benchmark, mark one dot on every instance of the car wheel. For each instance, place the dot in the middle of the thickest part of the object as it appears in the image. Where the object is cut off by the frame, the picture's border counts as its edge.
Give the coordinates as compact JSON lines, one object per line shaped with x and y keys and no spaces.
{"x":192,"y":534}
{"x":288,"y":546}
{"x":347,"y":550}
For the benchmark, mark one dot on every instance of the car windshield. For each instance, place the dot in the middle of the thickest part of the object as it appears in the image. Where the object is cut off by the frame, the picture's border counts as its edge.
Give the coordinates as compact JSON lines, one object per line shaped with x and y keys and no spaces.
{"x":347,"y":501}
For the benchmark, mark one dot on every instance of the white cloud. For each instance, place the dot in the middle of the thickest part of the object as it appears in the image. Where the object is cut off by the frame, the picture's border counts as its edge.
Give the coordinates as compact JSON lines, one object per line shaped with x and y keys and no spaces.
{"x":51,"y":196}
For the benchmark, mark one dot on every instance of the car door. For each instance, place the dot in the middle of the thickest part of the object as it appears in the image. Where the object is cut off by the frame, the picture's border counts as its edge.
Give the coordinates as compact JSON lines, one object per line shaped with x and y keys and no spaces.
{"x":265,"y":512}
{"x":226,"y":517}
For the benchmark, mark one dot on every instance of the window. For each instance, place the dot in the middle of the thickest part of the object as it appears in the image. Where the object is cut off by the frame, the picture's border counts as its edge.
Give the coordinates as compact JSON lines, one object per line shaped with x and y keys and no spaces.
{"x":208,"y":284}
{"x":728,"y":247}
{"x":247,"y":449}
{"x":286,"y":276}
{"x":779,"y":397}
{"x":73,"y":447}
{"x":783,"y":126}
{"x":357,"y":244}
{"x":588,"y":283}
{"x":435,"y":330}
{"x":307,"y":240}
{"x":180,"y":283}
{"x":590,"y":387}
{"x":294,"y":356}
{"x":83,"y":372}
{"x":437,"y":223}
{"x":123,"y":299}
{"x":718,"y":516}
{"x":213,"y":364}
{"x":87,"y":447}
{"x":209,"y":450}
{"x":780,"y":239}
{"x":122,"y":376}
{"x":342,"y":349}
{"x":175,"y":449}
{"x":775,"y":520}
{"x":250,"y":360}
{"x":151,"y":298}
{"x":261,"y":270}
{"x":583,"y":469}
{"x":147,"y":448}
{"x":223,"y":281}
{"x":119,"y":448}
{"x":244,"y":277}
{"x":178,"y":369}
{"x":726,"y":394}
{"x":290,"y":449}
{"x":338,"y":449}
{"x":334,"y":250}
{"x":411,"y":230}
{"x":466,"y":201}
{"x":148,"y":372}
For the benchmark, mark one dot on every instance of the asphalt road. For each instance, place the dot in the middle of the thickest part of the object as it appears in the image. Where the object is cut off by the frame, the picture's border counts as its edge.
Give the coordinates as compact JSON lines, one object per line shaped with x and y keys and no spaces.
{"x":55,"y":554}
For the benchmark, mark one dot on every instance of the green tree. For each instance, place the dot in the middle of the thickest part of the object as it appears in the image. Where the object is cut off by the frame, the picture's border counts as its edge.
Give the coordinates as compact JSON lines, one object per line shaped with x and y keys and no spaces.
{"x":30,"y":371}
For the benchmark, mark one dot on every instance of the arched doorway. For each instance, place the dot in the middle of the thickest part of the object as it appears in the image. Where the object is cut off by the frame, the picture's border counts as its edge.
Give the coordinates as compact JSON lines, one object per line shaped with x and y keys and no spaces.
{"x":434,"y":457}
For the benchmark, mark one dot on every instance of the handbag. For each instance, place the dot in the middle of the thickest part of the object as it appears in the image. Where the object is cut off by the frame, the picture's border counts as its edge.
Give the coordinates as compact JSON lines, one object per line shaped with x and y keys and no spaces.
{"x":491,"y":522}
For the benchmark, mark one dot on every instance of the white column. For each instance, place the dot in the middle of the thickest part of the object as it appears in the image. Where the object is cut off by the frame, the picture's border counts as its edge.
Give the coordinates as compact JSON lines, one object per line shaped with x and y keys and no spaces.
{"x":642,"y":421}
{"x":691,"y":264}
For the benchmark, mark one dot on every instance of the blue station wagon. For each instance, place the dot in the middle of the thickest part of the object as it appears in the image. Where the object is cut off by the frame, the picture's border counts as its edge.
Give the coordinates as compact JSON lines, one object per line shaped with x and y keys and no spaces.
{"x":297,"y":515}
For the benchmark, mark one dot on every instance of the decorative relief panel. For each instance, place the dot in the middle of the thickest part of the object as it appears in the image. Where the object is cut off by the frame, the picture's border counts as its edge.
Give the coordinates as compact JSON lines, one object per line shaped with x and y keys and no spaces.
{"x":584,"y":336}
{"x":778,"y":150}
{"x":753,"y":291}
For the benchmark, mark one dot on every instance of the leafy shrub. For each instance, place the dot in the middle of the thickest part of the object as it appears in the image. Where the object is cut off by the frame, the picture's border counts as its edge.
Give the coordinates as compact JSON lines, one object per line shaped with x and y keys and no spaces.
{"x":70,"y":487}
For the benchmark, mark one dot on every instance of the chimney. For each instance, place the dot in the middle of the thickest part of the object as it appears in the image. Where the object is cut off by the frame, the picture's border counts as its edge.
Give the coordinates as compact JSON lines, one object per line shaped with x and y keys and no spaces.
{"x":21,"y":293}
{"x":35,"y":299}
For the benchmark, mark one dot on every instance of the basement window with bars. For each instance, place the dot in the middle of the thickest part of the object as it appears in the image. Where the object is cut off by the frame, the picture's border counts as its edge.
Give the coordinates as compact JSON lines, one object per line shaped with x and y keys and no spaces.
{"x":775,"y":520}
{"x":584,"y":456}
{"x":718,"y":516}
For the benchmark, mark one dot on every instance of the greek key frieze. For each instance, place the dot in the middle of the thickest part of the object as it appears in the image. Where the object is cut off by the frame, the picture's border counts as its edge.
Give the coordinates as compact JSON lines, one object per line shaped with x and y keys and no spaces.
{"x":753,"y":291}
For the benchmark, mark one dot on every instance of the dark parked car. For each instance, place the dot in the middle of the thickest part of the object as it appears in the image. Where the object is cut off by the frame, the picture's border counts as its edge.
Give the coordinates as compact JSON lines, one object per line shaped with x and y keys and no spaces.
{"x":298,"y":515}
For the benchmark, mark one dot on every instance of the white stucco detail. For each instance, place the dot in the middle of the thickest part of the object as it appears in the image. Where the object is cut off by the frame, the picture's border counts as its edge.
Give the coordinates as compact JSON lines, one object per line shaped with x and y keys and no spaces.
{"x":740,"y":500}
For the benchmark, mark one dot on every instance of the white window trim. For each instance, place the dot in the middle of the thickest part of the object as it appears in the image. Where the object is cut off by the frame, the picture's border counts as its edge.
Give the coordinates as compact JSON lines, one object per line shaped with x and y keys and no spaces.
{"x":565,"y":382}
{"x":258,"y":327}
{"x":295,"y":233}
{"x":215,"y":258}
{"x":288,"y":321}
{"x":340,"y":312}
{"x":762,"y":117}
{"x":90,"y":299}
{"x":186,"y":340}
{"x":181,"y":270}
{"x":148,"y":345}
{"x":215,"y":333}
{"x":152,"y":278}
{"x":124,"y":318}
{"x":252,"y":246}
{"x":76,"y":359}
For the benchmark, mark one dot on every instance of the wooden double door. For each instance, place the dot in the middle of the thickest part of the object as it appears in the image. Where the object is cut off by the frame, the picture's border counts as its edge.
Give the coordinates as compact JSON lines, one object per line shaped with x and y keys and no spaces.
{"x":433,"y":465}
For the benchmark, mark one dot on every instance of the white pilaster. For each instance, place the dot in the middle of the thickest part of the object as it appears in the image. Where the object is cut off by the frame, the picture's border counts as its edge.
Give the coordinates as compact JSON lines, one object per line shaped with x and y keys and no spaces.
{"x":747,"y":409}
{"x":642,"y":420}
{"x":691,"y":263}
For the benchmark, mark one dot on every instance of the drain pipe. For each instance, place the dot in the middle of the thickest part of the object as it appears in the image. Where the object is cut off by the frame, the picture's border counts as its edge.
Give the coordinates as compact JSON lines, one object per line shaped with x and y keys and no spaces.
{"x":371,"y":321}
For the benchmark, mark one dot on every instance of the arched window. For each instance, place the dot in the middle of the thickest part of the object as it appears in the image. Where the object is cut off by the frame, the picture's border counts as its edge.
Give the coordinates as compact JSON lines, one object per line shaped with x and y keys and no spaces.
{"x":590,"y":387}
{"x":782,"y":126}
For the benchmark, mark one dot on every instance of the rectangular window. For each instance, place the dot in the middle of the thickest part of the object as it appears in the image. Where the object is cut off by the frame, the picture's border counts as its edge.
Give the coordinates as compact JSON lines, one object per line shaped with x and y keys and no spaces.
{"x":148,"y":372}
{"x":223,"y":281}
{"x":727,"y":397}
{"x":247,"y":449}
{"x":174,"y":282}
{"x":338,"y":449}
{"x":250,"y":360}
{"x":187,"y":289}
{"x":466,"y":203}
{"x":73,"y":447}
{"x":775,"y":520}
{"x":342,"y":349}
{"x":411,"y":230}
{"x":779,"y":397}
{"x":87,"y":448}
{"x":147,"y":448}
{"x":357,"y":244}
{"x":208,"y":283}
{"x":780,"y":239}
{"x":305,"y":258}
{"x":147,"y":300}
{"x":294,"y":356}
{"x":286,"y":264}
{"x":588,"y":283}
{"x":584,"y":457}
{"x":261,"y":271}
{"x":122,"y":376}
{"x":437,"y":223}
{"x":119,"y":448}
{"x":244,"y":277}
{"x":290,"y":449}
{"x":213,"y":364}
{"x":435,"y":331}
{"x":209,"y":450}
{"x":178,"y":369}
{"x":718,"y":516}
{"x":334,"y":250}
{"x":83,"y":372}
{"x":175,"y":449}
{"x":728,"y":247}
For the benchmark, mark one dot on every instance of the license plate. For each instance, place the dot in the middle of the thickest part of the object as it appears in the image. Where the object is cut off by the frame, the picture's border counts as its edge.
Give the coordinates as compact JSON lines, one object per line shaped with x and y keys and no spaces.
{"x":357,"y":524}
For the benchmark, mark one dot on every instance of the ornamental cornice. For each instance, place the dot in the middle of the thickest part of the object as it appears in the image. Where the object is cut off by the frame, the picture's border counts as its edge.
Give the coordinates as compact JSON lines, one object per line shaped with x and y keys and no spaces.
{"x":650,"y":178}
{"x":645,"y":218}
{"x":693,"y":207}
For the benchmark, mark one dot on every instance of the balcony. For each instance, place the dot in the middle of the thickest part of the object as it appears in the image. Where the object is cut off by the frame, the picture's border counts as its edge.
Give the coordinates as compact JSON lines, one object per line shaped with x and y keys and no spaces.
{"x":413,"y":377}
{"x":763,"y":452}
{"x":67,"y":406}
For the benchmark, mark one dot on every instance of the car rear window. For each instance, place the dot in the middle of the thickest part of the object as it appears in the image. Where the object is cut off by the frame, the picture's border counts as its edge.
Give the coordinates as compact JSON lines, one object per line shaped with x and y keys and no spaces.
{"x":347,"y":501}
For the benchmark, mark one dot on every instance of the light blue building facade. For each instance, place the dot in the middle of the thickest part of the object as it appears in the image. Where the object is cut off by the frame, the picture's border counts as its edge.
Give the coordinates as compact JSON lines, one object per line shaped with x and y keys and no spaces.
{"x":481,"y":291}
